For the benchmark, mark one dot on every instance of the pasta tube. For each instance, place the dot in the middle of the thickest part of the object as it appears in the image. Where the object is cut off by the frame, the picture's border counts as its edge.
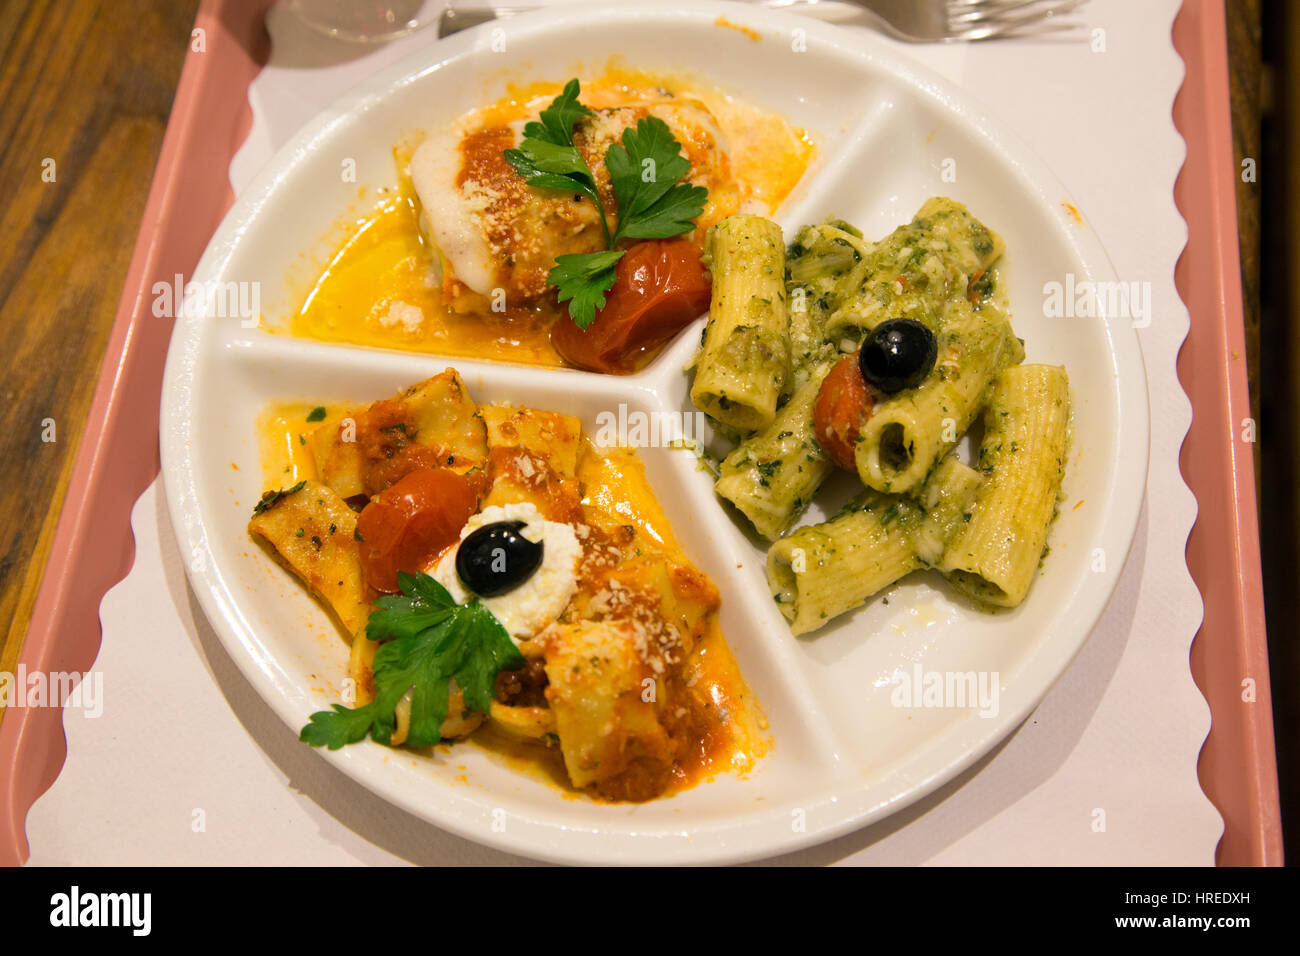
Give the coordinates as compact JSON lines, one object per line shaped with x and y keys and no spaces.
{"x":610,"y":733}
{"x":533,"y":458}
{"x":908,"y":432}
{"x":945,"y":501}
{"x":744,"y":365}
{"x":1026,"y":438}
{"x":313,"y":531}
{"x":773,"y":475}
{"x":822,"y":264}
{"x":917,"y":268}
{"x":823,"y":570}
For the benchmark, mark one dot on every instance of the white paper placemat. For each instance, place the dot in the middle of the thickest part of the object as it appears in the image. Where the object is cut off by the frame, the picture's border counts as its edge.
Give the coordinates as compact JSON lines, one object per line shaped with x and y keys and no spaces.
{"x":187,"y":764}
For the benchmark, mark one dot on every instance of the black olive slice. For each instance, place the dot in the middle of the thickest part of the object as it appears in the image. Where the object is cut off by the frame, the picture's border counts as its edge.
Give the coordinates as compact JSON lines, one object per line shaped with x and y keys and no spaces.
{"x":497,"y":558}
{"x":898,"y":354}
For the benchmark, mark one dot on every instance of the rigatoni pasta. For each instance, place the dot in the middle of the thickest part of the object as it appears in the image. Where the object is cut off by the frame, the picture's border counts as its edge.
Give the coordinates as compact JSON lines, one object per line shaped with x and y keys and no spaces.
{"x":822,"y":265}
{"x":931,"y":347}
{"x":744,"y":365}
{"x":1022,"y":456}
{"x":908,"y":432}
{"x":823,"y":570}
{"x":945,"y":501}
{"x":772,"y":476}
{"x":918,"y":268}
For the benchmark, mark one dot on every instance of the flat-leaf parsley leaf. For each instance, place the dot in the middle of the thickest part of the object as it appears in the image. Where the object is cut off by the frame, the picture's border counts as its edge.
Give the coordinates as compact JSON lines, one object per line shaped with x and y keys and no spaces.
{"x":584,"y":278}
{"x":645,"y":170}
{"x":429,"y":641}
{"x":546,"y":156}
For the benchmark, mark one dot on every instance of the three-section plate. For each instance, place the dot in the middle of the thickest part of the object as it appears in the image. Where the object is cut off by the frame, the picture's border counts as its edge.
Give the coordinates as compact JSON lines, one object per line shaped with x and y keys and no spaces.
{"x":843,"y":754}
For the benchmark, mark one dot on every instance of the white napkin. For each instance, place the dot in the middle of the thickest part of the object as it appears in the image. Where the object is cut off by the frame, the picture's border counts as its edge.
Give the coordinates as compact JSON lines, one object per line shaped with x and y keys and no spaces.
{"x":189,"y":765}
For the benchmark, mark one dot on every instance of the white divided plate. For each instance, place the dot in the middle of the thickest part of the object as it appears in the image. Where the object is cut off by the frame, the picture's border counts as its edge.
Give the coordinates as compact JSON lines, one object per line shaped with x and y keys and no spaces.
{"x":842,"y":754}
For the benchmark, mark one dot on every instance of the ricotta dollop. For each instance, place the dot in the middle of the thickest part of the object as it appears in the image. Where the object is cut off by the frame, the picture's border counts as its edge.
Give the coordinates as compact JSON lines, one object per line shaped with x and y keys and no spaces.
{"x":530,"y":608}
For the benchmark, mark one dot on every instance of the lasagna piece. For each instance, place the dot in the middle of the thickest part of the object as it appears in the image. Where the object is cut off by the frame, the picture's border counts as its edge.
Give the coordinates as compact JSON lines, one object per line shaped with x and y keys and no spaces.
{"x":492,"y":231}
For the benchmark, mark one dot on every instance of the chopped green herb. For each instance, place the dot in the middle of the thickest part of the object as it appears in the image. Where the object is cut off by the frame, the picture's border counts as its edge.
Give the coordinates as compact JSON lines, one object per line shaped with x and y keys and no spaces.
{"x":429,"y":641}
{"x":582,"y":279}
{"x":270,"y":498}
{"x":645,"y":170}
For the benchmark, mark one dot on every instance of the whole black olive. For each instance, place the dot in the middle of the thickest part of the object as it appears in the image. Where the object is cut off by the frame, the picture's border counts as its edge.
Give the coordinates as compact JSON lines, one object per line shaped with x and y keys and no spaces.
{"x":898,"y":354}
{"x":497,"y":558}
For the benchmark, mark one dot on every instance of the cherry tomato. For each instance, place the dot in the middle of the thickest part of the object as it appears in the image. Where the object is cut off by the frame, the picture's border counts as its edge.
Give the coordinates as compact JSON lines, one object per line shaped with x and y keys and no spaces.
{"x":661,"y":287}
{"x":413,"y":521}
{"x":842,"y":403}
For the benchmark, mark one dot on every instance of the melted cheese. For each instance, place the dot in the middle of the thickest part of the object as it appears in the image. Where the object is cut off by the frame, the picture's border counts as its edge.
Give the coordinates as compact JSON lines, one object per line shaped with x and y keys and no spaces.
{"x":452,"y":212}
{"x":495,"y":232}
{"x":384,"y":270}
{"x":422,"y":270}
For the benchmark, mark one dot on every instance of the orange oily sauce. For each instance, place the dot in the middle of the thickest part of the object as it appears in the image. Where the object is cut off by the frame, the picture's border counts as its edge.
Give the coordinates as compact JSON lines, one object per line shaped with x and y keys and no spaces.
{"x":282,"y":435}
{"x":379,"y":290}
{"x":381,"y":286}
{"x":725,"y":727}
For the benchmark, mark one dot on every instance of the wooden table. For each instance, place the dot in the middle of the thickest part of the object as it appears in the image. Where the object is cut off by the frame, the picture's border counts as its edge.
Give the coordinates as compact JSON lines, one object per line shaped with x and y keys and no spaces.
{"x":85,"y":91}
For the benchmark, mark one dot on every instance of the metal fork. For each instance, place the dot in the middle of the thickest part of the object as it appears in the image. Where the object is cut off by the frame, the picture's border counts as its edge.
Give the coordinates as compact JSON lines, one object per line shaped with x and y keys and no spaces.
{"x":916,"y":21}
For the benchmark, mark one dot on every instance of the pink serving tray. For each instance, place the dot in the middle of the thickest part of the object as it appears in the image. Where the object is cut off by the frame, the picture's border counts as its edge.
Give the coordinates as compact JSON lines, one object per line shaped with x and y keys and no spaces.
{"x":93,"y":548}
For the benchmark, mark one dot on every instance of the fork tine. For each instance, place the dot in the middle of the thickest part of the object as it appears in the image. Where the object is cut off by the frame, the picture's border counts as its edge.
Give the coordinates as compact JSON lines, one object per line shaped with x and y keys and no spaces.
{"x":983,"y":8}
{"x":1039,"y":15}
{"x":997,"y":12}
{"x":1060,"y":32}
{"x":1033,"y":30}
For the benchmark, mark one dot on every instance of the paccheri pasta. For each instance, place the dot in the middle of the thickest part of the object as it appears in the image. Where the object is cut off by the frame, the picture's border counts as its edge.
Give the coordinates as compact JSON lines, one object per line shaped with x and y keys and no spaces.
{"x":543,"y":597}
{"x":896,"y":348}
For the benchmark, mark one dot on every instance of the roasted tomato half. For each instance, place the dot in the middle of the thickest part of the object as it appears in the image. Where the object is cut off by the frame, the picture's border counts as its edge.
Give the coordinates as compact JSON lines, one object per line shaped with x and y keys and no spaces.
{"x":842,"y":404}
{"x":408,"y":524}
{"x":661,"y":287}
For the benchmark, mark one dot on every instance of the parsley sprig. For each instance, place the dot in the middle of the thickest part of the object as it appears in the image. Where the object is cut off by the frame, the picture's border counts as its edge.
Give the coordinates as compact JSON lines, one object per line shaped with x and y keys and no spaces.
{"x":430,"y":639}
{"x":645,"y":172}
